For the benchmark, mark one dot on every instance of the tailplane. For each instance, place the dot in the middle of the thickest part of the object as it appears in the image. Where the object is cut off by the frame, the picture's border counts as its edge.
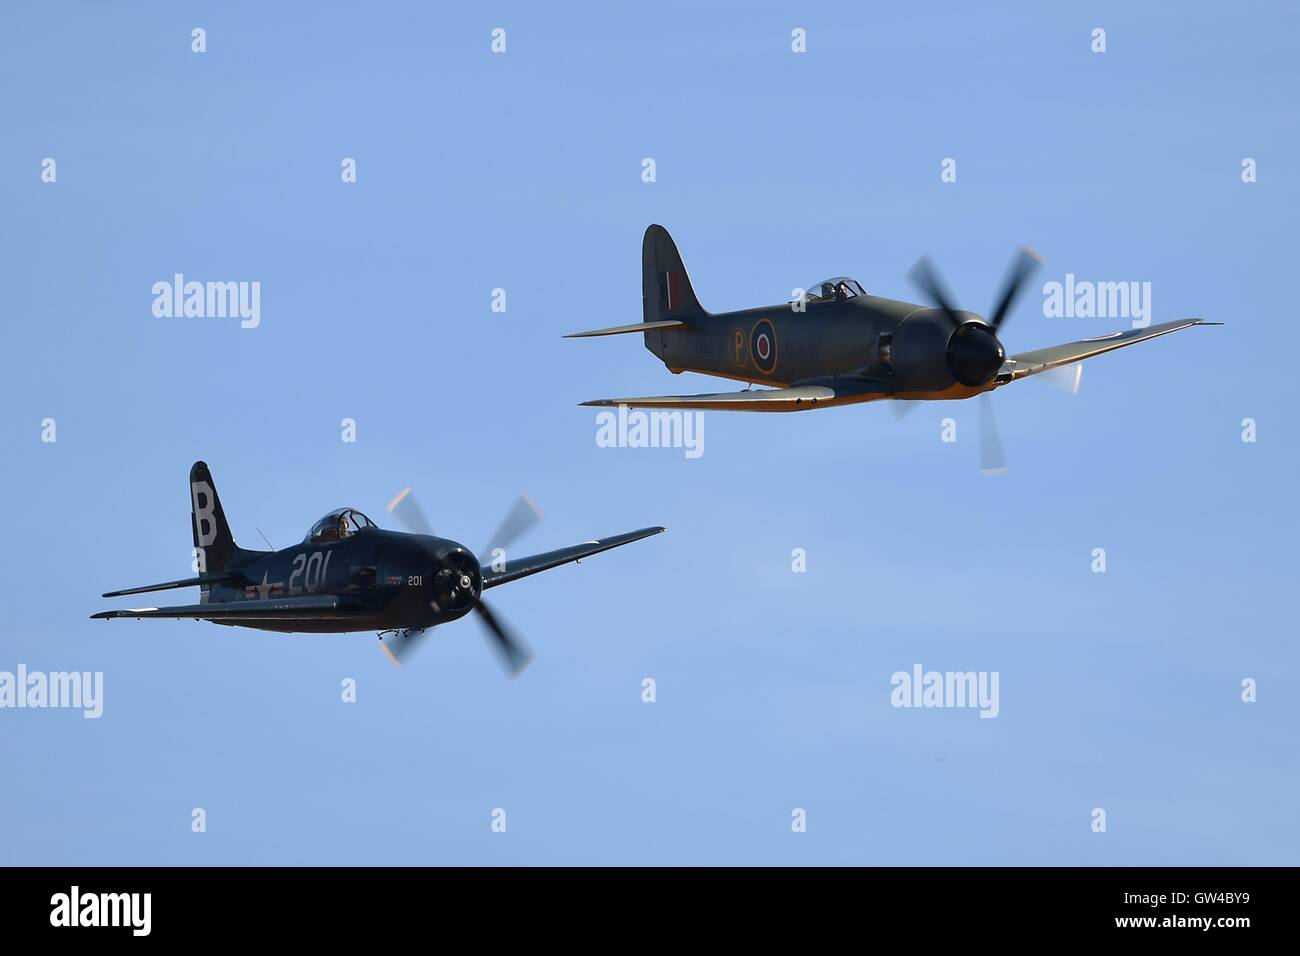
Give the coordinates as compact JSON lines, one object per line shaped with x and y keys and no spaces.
{"x":667,"y":300}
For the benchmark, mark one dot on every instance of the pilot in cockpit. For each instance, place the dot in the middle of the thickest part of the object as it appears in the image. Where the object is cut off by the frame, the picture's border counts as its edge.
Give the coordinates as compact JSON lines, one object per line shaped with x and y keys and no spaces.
{"x":828,"y":290}
{"x":343,"y":526}
{"x":842,"y":291}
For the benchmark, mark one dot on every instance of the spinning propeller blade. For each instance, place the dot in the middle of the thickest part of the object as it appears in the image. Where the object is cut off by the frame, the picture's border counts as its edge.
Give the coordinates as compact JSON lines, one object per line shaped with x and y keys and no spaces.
{"x":516,"y":655}
{"x":902,"y":409}
{"x":1067,"y":378}
{"x":522,"y":517}
{"x":925,"y":278}
{"x":992,"y":461}
{"x":1022,"y":267}
{"x":399,"y":646}
{"x":407,"y":510}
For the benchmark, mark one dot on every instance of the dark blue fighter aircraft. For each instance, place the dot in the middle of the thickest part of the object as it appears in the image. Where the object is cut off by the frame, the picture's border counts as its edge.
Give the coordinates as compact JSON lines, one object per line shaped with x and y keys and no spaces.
{"x":349,"y":574}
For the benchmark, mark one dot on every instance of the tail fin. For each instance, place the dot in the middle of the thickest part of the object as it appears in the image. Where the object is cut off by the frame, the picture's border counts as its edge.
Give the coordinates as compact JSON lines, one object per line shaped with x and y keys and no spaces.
{"x":214,"y":545}
{"x":666,"y":292}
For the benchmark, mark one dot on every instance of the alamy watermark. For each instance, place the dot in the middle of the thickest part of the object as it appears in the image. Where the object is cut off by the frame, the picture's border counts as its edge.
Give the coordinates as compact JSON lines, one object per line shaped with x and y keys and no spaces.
{"x":129,"y":910}
{"x":208,"y":300}
{"x":1084,"y":299}
{"x":656,"y":429}
{"x":922,"y":688}
{"x":83,"y":690}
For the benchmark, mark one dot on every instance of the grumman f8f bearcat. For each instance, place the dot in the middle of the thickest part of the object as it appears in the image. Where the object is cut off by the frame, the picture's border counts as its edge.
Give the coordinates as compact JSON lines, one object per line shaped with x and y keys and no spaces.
{"x":838,"y":345}
{"x":348,"y":574}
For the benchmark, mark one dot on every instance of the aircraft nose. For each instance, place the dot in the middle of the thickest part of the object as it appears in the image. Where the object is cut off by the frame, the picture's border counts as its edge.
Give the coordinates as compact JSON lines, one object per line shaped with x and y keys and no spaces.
{"x":974,"y":354}
{"x":457,"y":578}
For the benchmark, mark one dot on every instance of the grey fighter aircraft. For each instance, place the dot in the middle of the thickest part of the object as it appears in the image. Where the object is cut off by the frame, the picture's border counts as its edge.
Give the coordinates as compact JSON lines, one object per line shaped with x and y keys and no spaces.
{"x":839,"y":345}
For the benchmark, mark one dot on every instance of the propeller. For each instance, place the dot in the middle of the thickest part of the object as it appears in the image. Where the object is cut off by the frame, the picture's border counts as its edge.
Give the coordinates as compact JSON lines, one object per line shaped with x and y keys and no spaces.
{"x":400,"y":645}
{"x":902,"y":409}
{"x":407,"y":510}
{"x":516,"y":655}
{"x":1067,"y":378}
{"x":974,"y":354}
{"x":925,"y":278}
{"x":522,"y":516}
{"x":992,"y":461}
{"x":1022,"y":267}
{"x":454,"y":582}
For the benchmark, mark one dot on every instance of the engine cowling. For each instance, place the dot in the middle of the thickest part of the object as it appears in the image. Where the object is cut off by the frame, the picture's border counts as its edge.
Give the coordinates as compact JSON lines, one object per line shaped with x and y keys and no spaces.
{"x":435,"y":581}
{"x":928,"y":353}
{"x":456,"y":579}
{"x":974,"y":354}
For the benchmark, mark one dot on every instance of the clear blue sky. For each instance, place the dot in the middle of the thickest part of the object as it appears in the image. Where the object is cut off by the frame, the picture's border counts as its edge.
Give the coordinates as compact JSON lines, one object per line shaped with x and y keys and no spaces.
{"x":522,"y":171}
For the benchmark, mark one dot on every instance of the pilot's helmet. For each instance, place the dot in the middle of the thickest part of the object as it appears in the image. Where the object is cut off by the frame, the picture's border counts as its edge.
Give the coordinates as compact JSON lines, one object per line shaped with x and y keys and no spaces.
{"x":828,"y":288}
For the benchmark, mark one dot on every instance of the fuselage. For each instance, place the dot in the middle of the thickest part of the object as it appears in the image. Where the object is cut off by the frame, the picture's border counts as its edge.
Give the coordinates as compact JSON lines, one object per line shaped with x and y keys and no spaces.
{"x":899,"y":343}
{"x":387,"y":579}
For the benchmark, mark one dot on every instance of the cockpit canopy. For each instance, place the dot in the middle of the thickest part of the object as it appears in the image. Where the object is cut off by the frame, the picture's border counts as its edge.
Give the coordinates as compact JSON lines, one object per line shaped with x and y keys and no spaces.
{"x":836,"y":289}
{"x":339,"y":523}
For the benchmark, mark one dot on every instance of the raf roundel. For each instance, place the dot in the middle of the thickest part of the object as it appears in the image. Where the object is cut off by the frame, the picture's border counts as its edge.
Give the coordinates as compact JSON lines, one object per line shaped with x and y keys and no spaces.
{"x":762,"y":346}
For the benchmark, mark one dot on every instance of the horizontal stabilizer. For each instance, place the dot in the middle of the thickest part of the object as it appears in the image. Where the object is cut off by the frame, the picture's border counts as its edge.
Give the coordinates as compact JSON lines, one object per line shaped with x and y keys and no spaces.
{"x":169,"y":585}
{"x":636,"y":327}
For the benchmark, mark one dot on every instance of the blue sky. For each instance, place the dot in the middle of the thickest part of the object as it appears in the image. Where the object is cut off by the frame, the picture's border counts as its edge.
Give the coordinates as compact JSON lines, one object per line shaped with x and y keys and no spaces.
{"x":522,"y":171}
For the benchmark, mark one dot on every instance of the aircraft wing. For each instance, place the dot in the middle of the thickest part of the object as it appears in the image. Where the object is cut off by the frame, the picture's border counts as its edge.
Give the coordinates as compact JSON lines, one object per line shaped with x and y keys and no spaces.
{"x":1041,"y":360}
{"x":796,"y":398}
{"x":521,"y":568}
{"x":304,"y":608}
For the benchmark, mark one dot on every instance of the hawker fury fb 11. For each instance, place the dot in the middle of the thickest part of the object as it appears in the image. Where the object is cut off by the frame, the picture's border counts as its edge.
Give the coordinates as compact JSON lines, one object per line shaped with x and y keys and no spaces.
{"x":349,"y":574}
{"x":839,"y":345}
